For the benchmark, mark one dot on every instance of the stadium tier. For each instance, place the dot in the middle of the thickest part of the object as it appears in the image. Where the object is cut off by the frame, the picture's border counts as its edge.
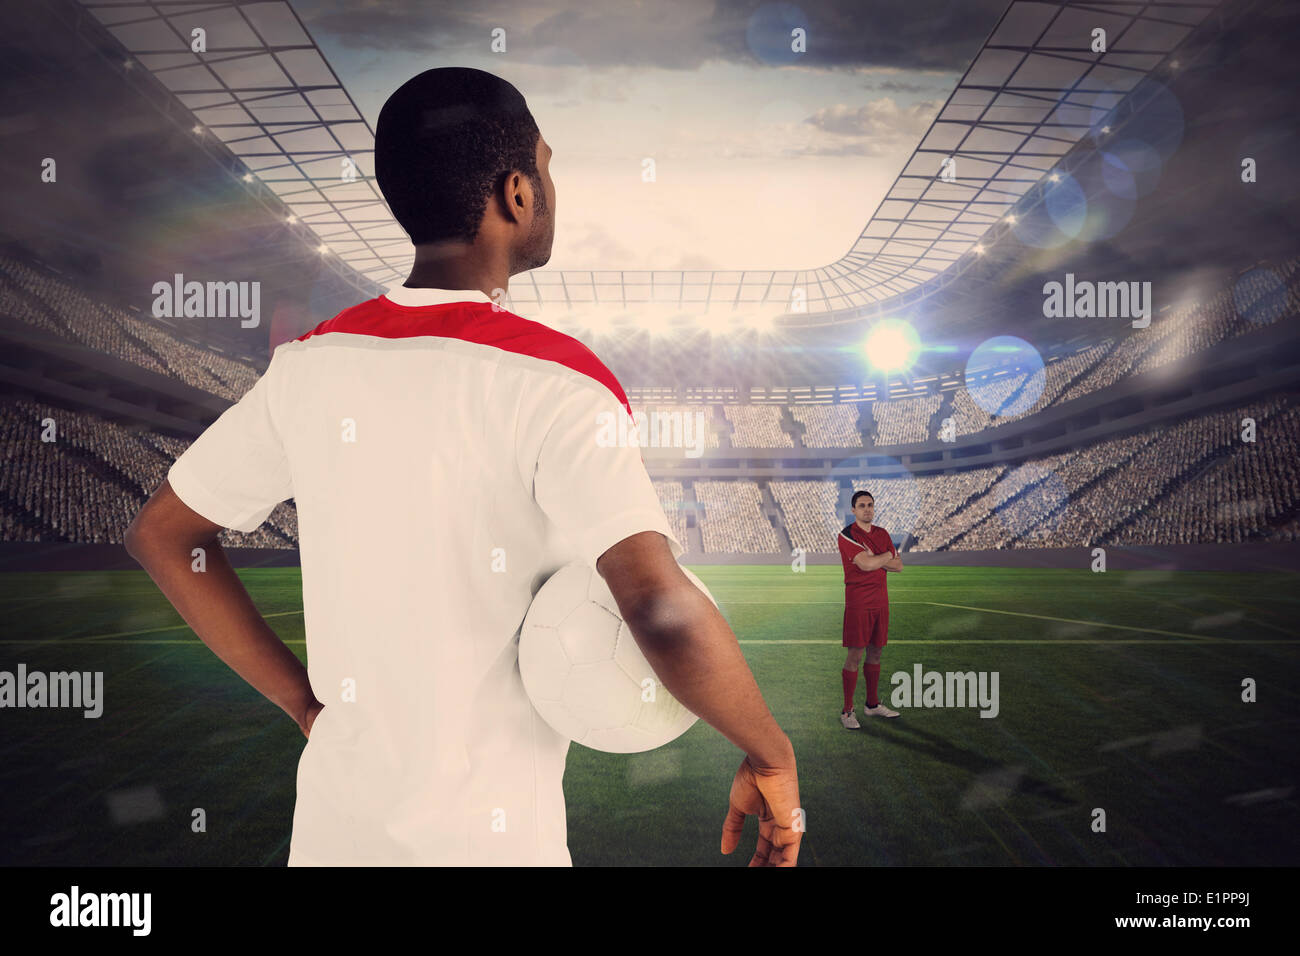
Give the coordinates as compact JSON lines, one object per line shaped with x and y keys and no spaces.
{"x":1163,"y":485}
{"x":1158,"y":484}
{"x":55,"y":305}
{"x":1260,"y":298}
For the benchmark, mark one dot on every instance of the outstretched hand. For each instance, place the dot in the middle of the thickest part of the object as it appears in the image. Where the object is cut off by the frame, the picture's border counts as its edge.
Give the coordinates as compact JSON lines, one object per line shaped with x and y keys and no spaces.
{"x":771,"y":793}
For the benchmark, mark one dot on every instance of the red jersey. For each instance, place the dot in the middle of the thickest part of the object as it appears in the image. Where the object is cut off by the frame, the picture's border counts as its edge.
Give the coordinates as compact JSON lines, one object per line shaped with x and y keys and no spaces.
{"x":864,"y":589}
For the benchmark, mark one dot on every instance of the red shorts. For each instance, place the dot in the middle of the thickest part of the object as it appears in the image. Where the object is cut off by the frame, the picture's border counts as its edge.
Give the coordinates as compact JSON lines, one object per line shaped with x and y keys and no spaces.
{"x":867,"y":626}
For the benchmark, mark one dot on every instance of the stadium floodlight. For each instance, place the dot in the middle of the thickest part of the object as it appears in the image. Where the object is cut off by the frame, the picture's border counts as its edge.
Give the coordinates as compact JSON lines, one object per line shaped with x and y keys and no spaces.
{"x":892,"y":345}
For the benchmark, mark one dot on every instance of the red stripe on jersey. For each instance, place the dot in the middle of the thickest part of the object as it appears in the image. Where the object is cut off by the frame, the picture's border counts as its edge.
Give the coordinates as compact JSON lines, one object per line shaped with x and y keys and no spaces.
{"x":471,"y":322}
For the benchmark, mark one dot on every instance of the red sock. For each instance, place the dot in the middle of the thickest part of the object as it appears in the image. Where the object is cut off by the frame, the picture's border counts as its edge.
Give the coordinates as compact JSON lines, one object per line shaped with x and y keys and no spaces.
{"x":850,"y":679}
{"x":873,"y":681}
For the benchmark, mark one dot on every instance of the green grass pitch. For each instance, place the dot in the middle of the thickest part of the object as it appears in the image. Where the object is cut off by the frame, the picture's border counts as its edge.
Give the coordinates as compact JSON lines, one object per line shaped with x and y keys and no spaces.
{"x":1119,"y":691}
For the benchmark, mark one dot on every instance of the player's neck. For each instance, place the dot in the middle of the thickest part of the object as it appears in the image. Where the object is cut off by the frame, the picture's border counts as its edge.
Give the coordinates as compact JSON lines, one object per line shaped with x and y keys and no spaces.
{"x":865,"y":527}
{"x":456,"y":266}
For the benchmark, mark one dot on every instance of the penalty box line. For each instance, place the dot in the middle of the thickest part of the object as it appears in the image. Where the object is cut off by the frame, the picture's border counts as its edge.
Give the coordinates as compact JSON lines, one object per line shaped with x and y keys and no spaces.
{"x":1068,"y":620}
{"x":108,"y":638}
{"x":1198,"y":638}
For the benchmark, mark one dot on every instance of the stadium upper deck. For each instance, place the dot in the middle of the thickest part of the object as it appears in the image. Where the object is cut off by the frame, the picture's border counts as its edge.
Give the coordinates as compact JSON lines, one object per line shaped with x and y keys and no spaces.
{"x":1034,"y":99}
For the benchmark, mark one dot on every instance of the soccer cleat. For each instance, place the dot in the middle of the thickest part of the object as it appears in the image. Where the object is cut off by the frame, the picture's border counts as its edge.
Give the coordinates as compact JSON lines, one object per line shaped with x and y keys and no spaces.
{"x":849,"y":721}
{"x":880,"y":710}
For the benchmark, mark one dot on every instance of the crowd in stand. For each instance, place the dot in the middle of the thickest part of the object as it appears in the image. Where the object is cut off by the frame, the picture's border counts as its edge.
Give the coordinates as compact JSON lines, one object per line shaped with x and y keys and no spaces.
{"x":903,"y":421}
{"x":1052,"y":379}
{"x":1187,"y":482}
{"x":672,"y":498}
{"x":943,"y":501}
{"x":828,"y":426}
{"x":811,"y":512}
{"x":16,"y":305}
{"x":1191,"y":329}
{"x":974,"y":407}
{"x":687,"y":413}
{"x":987,"y":517}
{"x":1091,"y":504}
{"x":1247,"y":489}
{"x":757,"y":426}
{"x":91,"y":480}
{"x":1193,"y":481}
{"x":732,"y":519}
{"x":56,"y":305}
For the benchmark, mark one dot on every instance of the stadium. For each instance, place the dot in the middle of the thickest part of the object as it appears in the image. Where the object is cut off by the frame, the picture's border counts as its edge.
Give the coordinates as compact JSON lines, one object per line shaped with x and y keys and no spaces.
{"x":1062,"y":353}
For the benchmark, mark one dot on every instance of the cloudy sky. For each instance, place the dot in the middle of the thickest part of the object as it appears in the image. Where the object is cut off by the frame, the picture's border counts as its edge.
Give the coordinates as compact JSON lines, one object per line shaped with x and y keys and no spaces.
{"x":763,"y":158}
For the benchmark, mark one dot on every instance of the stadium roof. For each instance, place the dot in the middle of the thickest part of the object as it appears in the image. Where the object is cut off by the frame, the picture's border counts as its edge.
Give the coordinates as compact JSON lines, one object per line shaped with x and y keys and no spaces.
{"x":264,"y":91}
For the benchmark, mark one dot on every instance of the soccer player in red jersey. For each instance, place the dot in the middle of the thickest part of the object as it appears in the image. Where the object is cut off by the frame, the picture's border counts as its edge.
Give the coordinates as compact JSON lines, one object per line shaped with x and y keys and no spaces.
{"x":867,"y":552}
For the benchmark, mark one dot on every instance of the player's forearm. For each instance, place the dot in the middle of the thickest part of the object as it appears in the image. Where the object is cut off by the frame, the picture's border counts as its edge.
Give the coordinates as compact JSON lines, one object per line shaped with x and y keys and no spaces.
{"x":215,"y":604}
{"x":895,"y":564}
{"x":872,"y":562}
{"x":694,"y":653}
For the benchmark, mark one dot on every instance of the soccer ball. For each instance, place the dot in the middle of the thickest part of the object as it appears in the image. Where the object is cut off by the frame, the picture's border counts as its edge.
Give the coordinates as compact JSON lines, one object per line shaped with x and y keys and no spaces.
{"x":584,"y":672}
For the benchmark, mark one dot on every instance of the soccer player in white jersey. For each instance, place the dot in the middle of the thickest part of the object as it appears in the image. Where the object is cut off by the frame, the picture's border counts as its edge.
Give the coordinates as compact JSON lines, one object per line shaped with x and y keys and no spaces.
{"x":443,"y":456}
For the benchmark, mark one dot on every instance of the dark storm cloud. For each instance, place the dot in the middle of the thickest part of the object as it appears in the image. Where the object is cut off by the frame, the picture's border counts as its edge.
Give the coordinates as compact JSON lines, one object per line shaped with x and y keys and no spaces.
{"x":907,"y":34}
{"x":669,"y":34}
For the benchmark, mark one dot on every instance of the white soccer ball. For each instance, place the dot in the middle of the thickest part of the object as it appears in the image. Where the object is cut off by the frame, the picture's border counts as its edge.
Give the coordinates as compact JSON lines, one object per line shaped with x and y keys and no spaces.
{"x":584,"y":672}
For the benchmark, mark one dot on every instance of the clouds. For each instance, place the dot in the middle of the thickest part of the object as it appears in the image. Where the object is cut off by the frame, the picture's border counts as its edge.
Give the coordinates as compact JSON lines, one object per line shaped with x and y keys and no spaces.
{"x":881,"y":120}
{"x":756,"y":150}
{"x":898,"y":86}
{"x":939,"y":35}
{"x":401,"y":26}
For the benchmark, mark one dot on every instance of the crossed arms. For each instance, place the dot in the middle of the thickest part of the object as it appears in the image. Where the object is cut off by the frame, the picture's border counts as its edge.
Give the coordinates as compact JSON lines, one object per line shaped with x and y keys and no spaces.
{"x":868,"y":560}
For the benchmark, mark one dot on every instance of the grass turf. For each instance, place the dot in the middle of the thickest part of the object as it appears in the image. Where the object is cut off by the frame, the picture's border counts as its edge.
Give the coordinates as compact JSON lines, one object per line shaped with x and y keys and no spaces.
{"x":1119,"y":691}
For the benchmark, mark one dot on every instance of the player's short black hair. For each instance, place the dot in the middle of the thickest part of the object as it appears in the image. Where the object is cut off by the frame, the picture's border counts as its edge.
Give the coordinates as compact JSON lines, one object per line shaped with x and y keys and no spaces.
{"x":443,"y":141}
{"x":859,"y":494}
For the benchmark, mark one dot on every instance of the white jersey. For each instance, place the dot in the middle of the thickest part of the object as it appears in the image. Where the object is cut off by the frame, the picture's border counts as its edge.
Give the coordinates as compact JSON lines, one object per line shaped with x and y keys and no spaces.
{"x":445,"y":458}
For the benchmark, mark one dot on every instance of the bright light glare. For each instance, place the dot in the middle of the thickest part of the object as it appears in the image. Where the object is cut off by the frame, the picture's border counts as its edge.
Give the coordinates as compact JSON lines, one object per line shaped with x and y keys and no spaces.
{"x":892,"y":345}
